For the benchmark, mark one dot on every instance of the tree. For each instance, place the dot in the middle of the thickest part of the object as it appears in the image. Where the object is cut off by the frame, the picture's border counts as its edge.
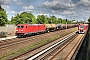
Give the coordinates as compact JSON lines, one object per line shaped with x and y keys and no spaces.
{"x":24,"y":17}
{"x":3,"y":17}
{"x":53,"y":19}
{"x":89,"y":20}
{"x":59,"y":20}
{"x":41,"y":19}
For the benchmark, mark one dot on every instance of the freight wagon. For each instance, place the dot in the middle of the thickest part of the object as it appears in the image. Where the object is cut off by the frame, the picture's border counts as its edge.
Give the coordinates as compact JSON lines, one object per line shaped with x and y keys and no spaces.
{"x":50,"y":27}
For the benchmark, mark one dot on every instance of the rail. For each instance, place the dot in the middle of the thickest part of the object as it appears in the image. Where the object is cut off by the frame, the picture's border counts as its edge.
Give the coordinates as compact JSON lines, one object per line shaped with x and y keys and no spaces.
{"x":44,"y":51}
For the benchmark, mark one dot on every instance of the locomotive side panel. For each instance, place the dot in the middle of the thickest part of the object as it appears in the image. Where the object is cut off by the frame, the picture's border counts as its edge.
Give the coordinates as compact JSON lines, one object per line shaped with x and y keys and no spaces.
{"x":41,"y":28}
{"x":28,"y":29}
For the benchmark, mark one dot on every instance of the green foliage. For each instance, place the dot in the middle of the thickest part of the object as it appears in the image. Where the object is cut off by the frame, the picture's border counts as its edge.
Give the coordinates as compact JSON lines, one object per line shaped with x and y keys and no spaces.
{"x":53,"y":19}
{"x":8,"y":22}
{"x":22,"y":18}
{"x":89,"y":20}
{"x":3,"y":17}
{"x":59,"y":20}
{"x":42,"y":19}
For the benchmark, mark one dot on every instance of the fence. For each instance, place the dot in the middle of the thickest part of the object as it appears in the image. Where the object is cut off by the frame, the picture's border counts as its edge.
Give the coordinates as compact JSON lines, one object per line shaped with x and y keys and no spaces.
{"x":10,"y":29}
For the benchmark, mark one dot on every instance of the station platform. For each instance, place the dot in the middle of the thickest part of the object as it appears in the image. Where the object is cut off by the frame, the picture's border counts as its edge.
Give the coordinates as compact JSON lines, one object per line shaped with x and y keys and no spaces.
{"x":7,"y":38}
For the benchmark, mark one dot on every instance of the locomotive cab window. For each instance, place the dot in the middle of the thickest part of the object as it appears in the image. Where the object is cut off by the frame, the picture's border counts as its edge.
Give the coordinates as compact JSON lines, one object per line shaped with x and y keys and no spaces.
{"x":81,"y":26}
{"x":20,"y":26}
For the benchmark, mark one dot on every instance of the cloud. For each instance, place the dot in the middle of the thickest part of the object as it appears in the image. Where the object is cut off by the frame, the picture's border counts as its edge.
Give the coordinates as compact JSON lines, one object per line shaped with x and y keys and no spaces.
{"x":67,"y":8}
{"x":18,"y":2}
{"x":9,"y":10}
{"x":5,"y":2}
{"x":13,"y":12}
{"x":85,"y":3}
{"x":6,"y":7}
{"x":15,"y":0}
{"x":59,"y":4}
{"x":29,"y":8}
{"x":67,"y":12}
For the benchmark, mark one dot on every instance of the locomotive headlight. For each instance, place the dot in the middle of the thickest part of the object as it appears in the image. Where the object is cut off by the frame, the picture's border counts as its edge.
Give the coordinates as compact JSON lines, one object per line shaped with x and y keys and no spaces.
{"x":16,"y":30}
{"x":21,"y":30}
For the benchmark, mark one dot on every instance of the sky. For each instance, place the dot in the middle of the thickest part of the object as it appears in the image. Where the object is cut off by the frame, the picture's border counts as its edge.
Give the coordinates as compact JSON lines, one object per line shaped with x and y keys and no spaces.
{"x":66,"y":9}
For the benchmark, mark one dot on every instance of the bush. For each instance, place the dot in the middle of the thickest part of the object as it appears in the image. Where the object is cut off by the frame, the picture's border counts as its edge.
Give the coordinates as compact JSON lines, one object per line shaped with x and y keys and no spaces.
{"x":2,"y":34}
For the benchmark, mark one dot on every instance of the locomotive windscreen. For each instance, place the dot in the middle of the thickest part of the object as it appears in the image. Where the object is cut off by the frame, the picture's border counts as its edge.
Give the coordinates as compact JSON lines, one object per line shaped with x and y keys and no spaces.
{"x":20,"y":26}
{"x":81,"y":26}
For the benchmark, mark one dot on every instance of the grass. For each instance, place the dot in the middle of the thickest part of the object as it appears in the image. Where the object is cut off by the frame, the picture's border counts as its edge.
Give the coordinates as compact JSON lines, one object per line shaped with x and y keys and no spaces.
{"x":32,"y":46}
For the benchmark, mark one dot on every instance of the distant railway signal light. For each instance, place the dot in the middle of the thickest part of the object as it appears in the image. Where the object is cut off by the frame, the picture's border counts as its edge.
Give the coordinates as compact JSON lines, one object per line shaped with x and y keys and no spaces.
{"x":66,"y":20}
{"x":66,"y":23}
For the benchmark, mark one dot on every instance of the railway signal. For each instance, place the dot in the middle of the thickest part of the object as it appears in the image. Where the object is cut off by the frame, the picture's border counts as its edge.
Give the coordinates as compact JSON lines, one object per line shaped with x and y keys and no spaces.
{"x":66,"y":23}
{"x":66,"y":20}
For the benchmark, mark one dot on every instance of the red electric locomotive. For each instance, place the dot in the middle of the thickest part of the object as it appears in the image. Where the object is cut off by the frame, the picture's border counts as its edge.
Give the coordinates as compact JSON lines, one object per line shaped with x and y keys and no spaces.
{"x":82,"y":28}
{"x":23,"y":30}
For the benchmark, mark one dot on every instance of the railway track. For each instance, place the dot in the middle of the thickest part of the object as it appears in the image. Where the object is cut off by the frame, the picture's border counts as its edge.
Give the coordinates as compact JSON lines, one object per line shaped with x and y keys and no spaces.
{"x":67,"y":51}
{"x":62,"y":50}
{"x":64,"y":53}
{"x":5,"y":43}
{"x":39,"y":51}
{"x":8,"y":45}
